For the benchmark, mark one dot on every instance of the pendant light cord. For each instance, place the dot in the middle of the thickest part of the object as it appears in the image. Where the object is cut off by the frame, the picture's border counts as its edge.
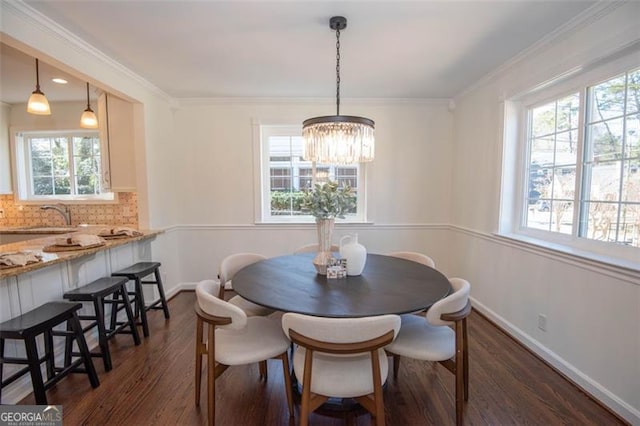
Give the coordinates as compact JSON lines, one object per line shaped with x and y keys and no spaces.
{"x":338,"y":71}
{"x":37,"y":77}
{"x":88,"y":102}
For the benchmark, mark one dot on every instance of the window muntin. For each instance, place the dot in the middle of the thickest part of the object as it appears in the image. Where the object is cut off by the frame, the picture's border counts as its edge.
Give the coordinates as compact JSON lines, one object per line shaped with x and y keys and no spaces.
{"x":583,"y":149}
{"x":285,"y":175}
{"x":59,"y":165}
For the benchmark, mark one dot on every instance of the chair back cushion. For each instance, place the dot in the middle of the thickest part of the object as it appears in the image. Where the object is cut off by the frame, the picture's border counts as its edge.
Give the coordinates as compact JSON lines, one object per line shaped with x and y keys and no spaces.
{"x":206,"y":292}
{"x":340,"y":330}
{"x":232,"y":264}
{"x":415,"y":257}
{"x":452,"y":303}
{"x":340,"y":375}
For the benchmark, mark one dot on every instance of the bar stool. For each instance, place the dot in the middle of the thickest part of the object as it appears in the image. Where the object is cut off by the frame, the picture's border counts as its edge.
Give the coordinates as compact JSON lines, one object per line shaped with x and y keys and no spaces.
{"x":136,"y":273}
{"x":42,"y":320}
{"x":98,"y":292}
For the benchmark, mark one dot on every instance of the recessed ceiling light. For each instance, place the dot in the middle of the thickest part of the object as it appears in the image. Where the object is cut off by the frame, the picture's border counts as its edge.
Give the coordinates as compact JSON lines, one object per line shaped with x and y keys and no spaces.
{"x":59,"y":80}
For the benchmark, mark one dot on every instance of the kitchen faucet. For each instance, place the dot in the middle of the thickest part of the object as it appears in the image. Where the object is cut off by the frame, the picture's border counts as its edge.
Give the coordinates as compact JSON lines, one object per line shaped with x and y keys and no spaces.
{"x":62,"y":209}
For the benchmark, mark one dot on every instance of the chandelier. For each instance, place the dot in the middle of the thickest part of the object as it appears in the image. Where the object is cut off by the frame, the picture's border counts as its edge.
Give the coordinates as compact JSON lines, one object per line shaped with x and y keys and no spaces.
{"x":338,"y":139}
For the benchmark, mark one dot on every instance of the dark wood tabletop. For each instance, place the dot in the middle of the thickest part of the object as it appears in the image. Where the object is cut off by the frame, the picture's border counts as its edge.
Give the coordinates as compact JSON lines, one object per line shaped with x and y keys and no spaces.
{"x":388,"y":285}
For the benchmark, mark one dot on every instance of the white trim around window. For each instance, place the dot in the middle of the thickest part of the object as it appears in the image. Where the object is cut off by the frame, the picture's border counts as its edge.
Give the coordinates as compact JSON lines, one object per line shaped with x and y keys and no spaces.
{"x":263,"y":164}
{"x":23,"y":168}
{"x":516,"y":189}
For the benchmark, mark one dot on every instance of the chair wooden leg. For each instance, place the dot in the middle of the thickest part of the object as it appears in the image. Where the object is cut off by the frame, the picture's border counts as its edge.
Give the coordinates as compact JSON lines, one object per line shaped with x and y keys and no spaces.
{"x":306,"y":389}
{"x":459,"y":373}
{"x":199,"y":354}
{"x":377,"y":388}
{"x":211,"y":376}
{"x":263,"y":370}
{"x":396,"y":366}
{"x":287,"y":382}
{"x":465,"y":346}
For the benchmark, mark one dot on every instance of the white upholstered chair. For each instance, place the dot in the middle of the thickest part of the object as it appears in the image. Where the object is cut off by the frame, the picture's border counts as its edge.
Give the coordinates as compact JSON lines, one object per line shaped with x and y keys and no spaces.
{"x":414,"y":257}
{"x":313,"y":248}
{"x":234,"y":339}
{"x":431,"y":338}
{"x":228,"y":268}
{"x":342,"y":358}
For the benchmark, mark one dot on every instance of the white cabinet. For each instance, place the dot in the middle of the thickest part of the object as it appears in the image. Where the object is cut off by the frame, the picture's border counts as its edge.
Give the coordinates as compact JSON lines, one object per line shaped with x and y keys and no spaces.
{"x":5,"y":163}
{"x":115,"y":118}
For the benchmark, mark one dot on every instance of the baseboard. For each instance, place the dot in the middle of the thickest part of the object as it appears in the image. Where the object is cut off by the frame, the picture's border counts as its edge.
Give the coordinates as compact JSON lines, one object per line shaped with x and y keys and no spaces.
{"x":585,"y":383}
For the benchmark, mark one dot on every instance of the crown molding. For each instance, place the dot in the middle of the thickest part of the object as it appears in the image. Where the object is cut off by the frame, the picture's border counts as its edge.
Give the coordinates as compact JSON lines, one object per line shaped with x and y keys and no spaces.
{"x":308,"y":101}
{"x":32,"y":18}
{"x":587,"y":17}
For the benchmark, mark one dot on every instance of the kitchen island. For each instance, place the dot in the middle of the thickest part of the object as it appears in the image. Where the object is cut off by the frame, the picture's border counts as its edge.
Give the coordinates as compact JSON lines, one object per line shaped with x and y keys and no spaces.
{"x":24,"y":288}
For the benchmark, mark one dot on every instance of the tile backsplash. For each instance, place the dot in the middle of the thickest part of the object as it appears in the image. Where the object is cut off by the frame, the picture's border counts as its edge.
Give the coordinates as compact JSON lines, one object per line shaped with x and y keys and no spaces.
{"x":124,"y":212}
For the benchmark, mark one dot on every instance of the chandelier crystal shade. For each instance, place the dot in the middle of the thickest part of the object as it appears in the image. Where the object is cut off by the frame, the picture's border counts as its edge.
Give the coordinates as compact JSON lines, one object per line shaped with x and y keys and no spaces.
{"x":38,"y":103}
{"x":88,"y":120}
{"x":338,"y":139}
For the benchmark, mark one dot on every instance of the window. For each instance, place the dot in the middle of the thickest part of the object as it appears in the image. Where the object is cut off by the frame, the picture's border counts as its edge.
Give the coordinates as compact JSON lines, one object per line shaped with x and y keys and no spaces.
{"x":285,"y":175}
{"x":59,"y":166}
{"x":582,"y":176}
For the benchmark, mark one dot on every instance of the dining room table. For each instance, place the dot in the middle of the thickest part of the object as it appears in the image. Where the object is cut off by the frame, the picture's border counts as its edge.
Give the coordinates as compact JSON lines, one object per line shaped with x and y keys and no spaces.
{"x":387,"y":285}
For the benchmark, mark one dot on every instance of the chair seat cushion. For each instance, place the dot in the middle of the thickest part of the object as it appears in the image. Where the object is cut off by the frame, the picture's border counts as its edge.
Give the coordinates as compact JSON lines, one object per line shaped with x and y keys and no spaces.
{"x":261,"y":339}
{"x":250,"y":308}
{"x":340,"y":376}
{"x":418,"y":339}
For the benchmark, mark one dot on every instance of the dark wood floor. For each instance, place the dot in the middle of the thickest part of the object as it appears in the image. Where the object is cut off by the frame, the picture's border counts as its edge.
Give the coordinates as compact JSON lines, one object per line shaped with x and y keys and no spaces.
{"x":152,"y":384}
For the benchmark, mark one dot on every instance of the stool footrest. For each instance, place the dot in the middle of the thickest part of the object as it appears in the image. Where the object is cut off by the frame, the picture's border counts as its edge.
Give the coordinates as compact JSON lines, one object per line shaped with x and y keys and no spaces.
{"x":15,"y":376}
{"x":63,"y":333}
{"x":63,"y":371}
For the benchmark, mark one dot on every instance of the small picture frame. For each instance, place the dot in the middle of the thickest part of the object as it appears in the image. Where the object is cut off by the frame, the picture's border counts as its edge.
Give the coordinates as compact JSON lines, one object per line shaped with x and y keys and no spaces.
{"x":337,"y":268}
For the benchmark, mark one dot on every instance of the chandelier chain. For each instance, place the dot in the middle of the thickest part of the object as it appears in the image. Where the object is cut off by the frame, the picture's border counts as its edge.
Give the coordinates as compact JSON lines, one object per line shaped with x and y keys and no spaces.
{"x":338,"y":71}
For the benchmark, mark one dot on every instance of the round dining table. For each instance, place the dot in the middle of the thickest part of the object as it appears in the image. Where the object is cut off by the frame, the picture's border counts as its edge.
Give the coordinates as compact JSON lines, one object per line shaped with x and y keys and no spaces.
{"x":388,"y":285}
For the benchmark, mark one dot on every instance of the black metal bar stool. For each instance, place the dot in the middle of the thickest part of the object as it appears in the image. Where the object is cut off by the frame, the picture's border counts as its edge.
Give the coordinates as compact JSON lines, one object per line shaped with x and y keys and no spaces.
{"x":42,"y":320}
{"x":136,"y":273}
{"x":104,"y":291}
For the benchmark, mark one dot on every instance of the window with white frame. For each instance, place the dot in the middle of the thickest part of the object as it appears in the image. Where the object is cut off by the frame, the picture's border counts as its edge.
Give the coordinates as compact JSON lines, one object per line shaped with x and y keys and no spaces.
{"x":285,"y":176}
{"x":582,"y":163}
{"x":59,"y":165}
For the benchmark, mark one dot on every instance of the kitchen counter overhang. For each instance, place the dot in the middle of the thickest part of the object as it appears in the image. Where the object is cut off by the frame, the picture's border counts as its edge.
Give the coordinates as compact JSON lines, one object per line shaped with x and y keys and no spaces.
{"x":48,"y":259}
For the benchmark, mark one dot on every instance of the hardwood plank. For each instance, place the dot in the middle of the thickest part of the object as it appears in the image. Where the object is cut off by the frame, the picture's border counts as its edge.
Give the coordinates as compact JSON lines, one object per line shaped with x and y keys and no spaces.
{"x":152,"y":384}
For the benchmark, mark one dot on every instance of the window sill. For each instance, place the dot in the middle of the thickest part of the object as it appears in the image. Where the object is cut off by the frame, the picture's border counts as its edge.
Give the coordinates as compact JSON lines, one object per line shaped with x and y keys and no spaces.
{"x":69,"y":201}
{"x":311,"y":223}
{"x":569,"y":251}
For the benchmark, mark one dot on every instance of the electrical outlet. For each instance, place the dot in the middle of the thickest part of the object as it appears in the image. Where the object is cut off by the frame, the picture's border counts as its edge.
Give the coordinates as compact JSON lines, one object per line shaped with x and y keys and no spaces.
{"x":542,"y":322}
{"x":1,"y":213}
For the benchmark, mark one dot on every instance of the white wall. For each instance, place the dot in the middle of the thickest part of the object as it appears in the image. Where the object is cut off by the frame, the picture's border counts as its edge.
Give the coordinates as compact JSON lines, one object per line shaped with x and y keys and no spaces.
{"x":407,"y":183}
{"x":593,"y":311}
{"x":65,"y":115}
{"x":407,"y":187}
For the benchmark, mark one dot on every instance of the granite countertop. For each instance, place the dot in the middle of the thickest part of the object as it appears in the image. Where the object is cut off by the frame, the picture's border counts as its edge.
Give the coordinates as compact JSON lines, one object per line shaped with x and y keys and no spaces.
{"x":45,"y":229}
{"x":39,"y":230}
{"x":48,"y":259}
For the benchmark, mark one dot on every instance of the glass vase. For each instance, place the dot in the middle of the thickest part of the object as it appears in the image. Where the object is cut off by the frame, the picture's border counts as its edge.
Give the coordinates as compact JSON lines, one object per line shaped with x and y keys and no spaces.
{"x":325,"y":232}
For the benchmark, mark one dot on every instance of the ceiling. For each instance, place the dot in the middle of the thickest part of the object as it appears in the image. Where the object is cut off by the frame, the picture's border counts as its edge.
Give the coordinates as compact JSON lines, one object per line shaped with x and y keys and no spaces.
{"x":390,"y":49}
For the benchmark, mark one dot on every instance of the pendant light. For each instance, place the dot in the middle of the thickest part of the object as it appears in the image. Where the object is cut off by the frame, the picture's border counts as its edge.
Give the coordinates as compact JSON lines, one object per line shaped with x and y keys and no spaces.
{"x":88,"y":119}
{"x":38,"y":103}
{"x":338,"y":139}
